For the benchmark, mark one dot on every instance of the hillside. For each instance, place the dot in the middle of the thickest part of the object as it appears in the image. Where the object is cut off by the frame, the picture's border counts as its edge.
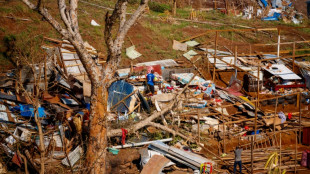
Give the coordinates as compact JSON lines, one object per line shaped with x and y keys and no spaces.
{"x":152,"y":35}
{"x":230,"y":75}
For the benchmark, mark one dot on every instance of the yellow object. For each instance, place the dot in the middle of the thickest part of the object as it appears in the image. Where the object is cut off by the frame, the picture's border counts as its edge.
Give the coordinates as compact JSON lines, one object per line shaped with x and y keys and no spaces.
{"x":247,"y":100}
{"x":272,"y":164}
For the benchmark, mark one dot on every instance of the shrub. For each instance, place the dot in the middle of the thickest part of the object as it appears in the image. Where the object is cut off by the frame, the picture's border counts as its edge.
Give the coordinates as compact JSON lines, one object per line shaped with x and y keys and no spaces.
{"x":159,"y":7}
{"x":133,"y":1}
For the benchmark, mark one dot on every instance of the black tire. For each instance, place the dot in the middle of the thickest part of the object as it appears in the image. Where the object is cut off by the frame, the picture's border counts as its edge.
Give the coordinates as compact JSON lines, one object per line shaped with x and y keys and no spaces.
{"x":145,"y":105}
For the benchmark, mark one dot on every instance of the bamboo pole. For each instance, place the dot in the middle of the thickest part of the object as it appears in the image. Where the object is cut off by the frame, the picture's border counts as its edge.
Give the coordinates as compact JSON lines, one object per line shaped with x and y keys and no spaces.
{"x":247,"y":29}
{"x":214,"y":1}
{"x":198,"y":125}
{"x":256,"y":104}
{"x":294,"y":49}
{"x":280,"y":161}
{"x":235,"y":59}
{"x":295,"y":171}
{"x":45,"y":73}
{"x":275,"y":113}
{"x":216,"y":38}
{"x":279,"y":40}
{"x":299,"y":119}
{"x":252,"y":165}
{"x":224,"y":141}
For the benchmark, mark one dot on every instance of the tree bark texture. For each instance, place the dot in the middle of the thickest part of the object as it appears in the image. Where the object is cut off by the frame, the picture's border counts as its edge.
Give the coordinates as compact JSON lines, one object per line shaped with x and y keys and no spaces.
{"x":95,"y":156}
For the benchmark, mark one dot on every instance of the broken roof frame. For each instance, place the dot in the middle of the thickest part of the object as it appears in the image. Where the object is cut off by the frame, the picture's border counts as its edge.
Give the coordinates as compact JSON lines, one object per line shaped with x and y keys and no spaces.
{"x":290,"y":58}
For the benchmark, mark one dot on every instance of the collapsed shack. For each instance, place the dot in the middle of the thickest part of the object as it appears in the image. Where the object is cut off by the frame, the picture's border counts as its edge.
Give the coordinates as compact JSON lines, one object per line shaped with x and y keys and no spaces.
{"x":267,"y":10}
{"x":190,"y":122}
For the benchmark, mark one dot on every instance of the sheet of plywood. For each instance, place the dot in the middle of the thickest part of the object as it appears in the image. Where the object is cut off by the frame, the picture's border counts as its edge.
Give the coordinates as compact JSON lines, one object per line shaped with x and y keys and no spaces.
{"x":155,"y":165}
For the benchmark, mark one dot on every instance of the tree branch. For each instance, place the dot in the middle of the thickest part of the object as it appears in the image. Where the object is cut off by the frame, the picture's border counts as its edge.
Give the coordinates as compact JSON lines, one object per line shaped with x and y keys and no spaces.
{"x":147,"y":121}
{"x":122,"y":16}
{"x":128,"y":24}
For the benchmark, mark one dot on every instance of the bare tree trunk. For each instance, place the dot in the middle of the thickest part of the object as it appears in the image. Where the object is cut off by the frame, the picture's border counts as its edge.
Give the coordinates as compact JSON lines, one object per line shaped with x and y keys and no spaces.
{"x":95,"y":156}
{"x":174,"y":8}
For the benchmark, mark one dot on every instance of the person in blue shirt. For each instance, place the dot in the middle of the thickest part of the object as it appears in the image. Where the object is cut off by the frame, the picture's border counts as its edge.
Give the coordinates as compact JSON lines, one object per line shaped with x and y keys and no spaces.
{"x":150,"y":82}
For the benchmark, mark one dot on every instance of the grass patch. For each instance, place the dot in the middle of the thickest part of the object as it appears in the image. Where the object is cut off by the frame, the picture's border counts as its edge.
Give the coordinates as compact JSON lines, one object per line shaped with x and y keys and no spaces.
{"x":159,"y":7}
{"x":5,"y":10}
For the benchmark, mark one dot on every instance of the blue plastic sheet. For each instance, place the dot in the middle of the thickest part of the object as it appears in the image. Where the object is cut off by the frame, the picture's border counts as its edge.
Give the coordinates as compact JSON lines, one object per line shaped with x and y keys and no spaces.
{"x":264,"y":2}
{"x":28,"y":110}
{"x":275,"y":17}
{"x":117,"y":91}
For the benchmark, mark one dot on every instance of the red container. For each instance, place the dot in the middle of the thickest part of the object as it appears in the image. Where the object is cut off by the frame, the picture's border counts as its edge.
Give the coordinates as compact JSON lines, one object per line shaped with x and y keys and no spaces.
{"x":306,"y":136}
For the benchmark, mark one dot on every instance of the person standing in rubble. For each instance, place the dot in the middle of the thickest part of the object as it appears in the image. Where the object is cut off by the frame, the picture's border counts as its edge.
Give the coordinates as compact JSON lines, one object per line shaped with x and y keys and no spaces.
{"x":238,"y":162}
{"x":150,"y":82}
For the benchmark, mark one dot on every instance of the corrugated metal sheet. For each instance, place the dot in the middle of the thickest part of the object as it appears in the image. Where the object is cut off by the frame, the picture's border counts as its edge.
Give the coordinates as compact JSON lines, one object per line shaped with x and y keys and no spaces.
{"x":73,"y":64}
{"x":166,"y":73}
{"x":117,"y":91}
{"x":223,"y":66}
{"x":283,"y":72}
{"x":184,"y":78}
{"x":164,"y":63}
{"x":306,"y":75}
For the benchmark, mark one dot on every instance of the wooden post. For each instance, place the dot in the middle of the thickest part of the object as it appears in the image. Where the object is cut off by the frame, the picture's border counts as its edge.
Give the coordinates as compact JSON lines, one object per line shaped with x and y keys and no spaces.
{"x":279,"y":40}
{"x":45,"y":73}
{"x":294,"y":50}
{"x":280,"y":161}
{"x":235,"y":60}
{"x":218,"y":133}
{"x":131,"y":67}
{"x":275,"y":114}
{"x":257,"y":102}
{"x":198,"y":125}
{"x":297,"y":103}
{"x":216,"y":37}
{"x":252,"y":145}
{"x":255,"y":121}
{"x":250,"y":49}
{"x":224,"y":140}
{"x":174,"y":11}
{"x":226,"y":6}
{"x":214,"y":1}
{"x":299,"y":119}
{"x":295,"y":151}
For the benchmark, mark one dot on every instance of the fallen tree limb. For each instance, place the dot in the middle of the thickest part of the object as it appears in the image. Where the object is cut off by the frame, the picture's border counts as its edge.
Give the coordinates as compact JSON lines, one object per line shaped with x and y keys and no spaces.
{"x":147,"y":121}
{"x":170,"y":131}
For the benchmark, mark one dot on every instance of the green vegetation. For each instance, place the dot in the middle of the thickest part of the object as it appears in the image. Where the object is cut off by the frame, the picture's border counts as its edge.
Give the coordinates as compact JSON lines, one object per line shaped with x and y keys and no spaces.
{"x":159,"y":7}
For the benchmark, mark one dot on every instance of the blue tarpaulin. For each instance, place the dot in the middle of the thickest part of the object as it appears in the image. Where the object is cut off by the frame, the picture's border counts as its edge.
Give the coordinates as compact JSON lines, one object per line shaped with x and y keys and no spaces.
{"x":264,"y":2}
{"x":117,"y":91}
{"x":28,"y":110}
{"x":275,"y":17}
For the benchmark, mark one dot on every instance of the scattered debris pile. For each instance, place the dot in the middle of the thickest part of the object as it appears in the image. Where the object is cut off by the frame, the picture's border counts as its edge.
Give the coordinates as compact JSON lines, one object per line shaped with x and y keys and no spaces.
{"x":187,"y":124}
